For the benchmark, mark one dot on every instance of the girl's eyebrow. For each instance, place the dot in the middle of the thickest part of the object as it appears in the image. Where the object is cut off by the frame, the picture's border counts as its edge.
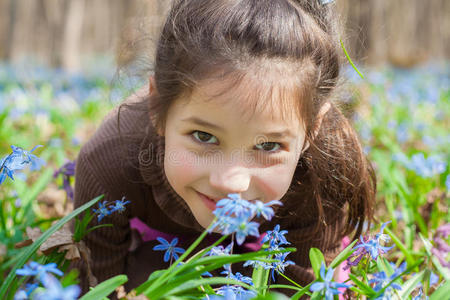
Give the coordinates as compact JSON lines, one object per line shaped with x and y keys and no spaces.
{"x":198,"y":121}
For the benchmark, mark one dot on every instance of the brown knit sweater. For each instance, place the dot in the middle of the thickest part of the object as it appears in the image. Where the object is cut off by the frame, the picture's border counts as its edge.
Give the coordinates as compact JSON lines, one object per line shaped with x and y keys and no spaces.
{"x":130,"y":163}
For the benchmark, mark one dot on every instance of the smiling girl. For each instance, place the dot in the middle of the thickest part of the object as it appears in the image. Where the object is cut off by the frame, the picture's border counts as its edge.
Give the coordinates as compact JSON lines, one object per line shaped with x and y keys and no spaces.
{"x":241,"y":100}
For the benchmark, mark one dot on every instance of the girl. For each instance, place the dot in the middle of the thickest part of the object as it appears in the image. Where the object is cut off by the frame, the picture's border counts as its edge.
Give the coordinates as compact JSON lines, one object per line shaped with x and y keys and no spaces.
{"x":241,"y":101}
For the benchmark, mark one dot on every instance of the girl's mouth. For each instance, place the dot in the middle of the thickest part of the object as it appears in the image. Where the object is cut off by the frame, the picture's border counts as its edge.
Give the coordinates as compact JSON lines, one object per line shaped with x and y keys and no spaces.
{"x":209,"y":203}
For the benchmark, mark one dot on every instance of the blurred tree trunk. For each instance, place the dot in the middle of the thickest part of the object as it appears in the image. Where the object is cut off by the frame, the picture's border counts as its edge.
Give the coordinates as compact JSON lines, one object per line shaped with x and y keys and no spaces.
{"x":72,"y":35}
{"x":63,"y":32}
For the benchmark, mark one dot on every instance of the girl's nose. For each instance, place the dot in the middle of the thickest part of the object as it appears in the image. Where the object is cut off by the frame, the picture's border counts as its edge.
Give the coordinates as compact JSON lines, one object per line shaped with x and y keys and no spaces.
{"x":230,"y":180}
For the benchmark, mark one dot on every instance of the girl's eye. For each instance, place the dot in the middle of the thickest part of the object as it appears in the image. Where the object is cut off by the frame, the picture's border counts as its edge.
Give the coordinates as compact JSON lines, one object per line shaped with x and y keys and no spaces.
{"x":269,"y":146}
{"x":206,"y":138}
{"x":203,"y":137}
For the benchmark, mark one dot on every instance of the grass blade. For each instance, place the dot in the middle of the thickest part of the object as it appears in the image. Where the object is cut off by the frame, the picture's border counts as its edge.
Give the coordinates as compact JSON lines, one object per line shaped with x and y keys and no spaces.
{"x":35,"y":246}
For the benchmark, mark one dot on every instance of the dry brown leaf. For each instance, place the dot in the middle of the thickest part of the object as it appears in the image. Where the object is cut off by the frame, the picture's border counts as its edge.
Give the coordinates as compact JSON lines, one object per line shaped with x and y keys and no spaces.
{"x":132,"y":296}
{"x":61,"y":237}
{"x":140,"y":297}
{"x":3,"y":250}
{"x":120,"y":290}
{"x":23,"y":244}
{"x":86,"y":255}
{"x":72,"y":251}
{"x":33,"y":233}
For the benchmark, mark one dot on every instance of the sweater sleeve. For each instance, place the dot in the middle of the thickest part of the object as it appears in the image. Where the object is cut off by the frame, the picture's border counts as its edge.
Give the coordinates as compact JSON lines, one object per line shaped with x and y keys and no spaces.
{"x":108,"y":245}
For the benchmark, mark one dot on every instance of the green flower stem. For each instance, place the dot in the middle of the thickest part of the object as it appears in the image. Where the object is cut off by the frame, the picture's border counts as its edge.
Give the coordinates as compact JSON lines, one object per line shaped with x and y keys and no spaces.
{"x":169,"y":272}
{"x":212,"y":263}
{"x":217,"y":262}
{"x":291,"y":281}
{"x":350,"y":60}
{"x":284,"y":286}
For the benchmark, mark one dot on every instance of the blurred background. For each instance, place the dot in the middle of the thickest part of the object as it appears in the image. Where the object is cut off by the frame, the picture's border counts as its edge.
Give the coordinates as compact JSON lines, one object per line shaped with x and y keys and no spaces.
{"x":66,"y":33}
{"x":59,"y":77}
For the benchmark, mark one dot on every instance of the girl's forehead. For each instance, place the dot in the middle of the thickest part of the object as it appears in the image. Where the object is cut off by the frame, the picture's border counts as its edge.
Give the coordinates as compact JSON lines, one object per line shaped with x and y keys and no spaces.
{"x":249,"y":99}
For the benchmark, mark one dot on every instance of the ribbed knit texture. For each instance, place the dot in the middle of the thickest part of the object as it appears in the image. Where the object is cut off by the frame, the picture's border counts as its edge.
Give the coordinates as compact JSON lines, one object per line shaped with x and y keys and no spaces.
{"x":130,"y":164}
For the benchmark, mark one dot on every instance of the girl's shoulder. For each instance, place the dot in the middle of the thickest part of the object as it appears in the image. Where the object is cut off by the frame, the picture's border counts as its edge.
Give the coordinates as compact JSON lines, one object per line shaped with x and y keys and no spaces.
{"x":115,"y":145}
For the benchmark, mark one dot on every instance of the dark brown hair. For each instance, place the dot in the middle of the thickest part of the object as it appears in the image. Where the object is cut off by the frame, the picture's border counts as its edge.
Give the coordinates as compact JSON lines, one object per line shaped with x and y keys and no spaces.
{"x":266,"y":43}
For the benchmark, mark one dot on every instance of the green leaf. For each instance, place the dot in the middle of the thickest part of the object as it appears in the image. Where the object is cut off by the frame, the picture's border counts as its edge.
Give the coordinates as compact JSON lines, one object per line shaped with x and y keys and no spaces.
{"x":271,"y":296}
{"x":105,"y":288}
{"x":316,"y":257}
{"x":343,"y":255}
{"x":443,"y":271}
{"x":199,"y":282}
{"x":368,"y":291}
{"x":442,"y":292}
{"x":401,"y":246}
{"x":300,"y":293}
{"x":410,"y":285}
{"x":193,"y":273}
{"x":259,"y":278}
{"x":35,"y":246}
{"x":210,"y":263}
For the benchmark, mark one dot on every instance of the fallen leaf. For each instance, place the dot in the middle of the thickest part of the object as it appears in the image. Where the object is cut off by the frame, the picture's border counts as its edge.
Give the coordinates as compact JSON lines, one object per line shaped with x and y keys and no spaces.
{"x":61,"y":237}
{"x":33,"y":233}
{"x":3,"y":250}
{"x":121,"y":292}
{"x":72,"y":251}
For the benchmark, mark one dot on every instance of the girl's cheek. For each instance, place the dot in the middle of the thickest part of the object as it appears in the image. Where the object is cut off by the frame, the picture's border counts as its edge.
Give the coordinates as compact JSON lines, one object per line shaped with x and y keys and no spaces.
{"x":274,"y":182}
{"x":182,"y":163}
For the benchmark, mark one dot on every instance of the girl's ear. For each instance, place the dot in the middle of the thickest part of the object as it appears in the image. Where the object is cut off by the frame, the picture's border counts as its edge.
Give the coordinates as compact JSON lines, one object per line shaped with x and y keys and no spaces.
{"x":322,"y":112}
{"x":152,"y":91}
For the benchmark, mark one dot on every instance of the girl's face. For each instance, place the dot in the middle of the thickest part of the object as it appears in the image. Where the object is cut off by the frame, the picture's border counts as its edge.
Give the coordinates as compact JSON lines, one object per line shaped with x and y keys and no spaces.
{"x":213,"y":148}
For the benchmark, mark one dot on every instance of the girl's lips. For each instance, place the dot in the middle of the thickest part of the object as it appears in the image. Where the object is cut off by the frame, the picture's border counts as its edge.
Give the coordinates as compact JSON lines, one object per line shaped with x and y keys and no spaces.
{"x":209,"y":203}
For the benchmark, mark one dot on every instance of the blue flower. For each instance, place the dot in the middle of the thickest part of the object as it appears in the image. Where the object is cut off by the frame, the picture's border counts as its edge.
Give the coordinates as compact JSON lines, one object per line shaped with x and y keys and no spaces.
{"x":403,"y":132}
{"x":38,"y":270}
{"x":242,"y":227}
{"x":381,"y":280}
{"x":264,"y":209}
{"x":102,"y":211}
{"x":234,"y":215}
{"x":373,"y":246}
{"x":170,"y":247}
{"x":327,"y":287}
{"x":67,"y":171}
{"x":17,"y":161}
{"x":238,"y":276}
{"x":24,"y":294}
{"x":119,"y":205}
{"x":235,"y":292}
{"x":219,"y":251}
{"x":280,"y":264}
{"x":55,"y":291}
{"x":233,"y":205}
{"x":21,"y":295}
{"x":275,"y":237}
{"x":427,"y":167}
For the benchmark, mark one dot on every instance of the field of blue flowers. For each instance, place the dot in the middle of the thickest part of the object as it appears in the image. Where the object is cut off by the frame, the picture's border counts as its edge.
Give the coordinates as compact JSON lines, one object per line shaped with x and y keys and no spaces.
{"x":402,"y":116}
